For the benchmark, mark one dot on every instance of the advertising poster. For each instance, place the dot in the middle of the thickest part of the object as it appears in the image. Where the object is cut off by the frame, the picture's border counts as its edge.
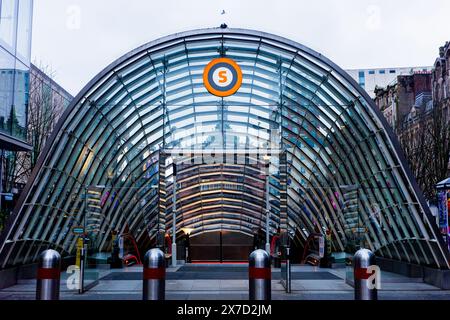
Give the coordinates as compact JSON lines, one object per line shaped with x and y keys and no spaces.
{"x":443,"y":214}
{"x":448,"y":213}
{"x":321,"y":247}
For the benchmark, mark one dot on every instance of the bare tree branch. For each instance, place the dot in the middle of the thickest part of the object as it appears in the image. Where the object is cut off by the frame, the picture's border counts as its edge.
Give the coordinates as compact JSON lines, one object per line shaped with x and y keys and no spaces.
{"x":426,"y":143}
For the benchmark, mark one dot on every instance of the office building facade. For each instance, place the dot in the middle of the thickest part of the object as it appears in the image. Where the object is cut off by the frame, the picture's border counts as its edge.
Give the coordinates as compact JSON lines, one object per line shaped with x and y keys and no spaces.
{"x":15,"y":60}
{"x":371,"y":79}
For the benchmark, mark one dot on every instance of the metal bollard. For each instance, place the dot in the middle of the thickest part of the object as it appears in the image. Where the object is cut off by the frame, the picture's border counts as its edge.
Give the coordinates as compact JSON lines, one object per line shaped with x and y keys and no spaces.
{"x":154,"y":286}
{"x":48,"y":276}
{"x":364,"y":288}
{"x":82,"y":269}
{"x":259,"y":276}
{"x":288,"y":270}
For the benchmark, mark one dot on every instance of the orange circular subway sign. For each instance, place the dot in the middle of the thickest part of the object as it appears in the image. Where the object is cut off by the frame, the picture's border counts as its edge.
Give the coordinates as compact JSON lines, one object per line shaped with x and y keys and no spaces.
{"x":222,"y":77}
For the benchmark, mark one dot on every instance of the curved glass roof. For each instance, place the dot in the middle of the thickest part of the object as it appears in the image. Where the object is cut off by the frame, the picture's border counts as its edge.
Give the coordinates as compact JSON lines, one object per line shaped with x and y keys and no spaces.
{"x":111,"y":154}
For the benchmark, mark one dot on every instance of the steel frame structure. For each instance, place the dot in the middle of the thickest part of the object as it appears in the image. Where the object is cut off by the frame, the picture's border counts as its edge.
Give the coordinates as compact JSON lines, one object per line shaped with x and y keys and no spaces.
{"x":153,"y":99}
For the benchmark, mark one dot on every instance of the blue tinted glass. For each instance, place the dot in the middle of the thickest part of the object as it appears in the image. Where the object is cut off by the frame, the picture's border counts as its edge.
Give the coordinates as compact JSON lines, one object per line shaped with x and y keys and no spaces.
{"x":6,"y":88}
{"x":18,"y":117}
{"x":8,"y":18}
{"x":362,"y":79}
{"x":24,"y":31}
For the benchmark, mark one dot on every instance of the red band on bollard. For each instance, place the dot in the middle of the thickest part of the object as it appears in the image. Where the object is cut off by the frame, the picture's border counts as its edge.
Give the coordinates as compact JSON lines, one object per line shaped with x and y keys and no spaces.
{"x":361,"y":274}
{"x":259,"y":273}
{"x":48,"y":274}
{"x":154,"y":273}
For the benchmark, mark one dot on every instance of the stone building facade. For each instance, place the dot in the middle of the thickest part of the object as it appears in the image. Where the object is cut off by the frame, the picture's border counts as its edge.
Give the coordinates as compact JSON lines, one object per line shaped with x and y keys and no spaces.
{"x":417,"y":107}
{"x":409,"y":93}
{"x":441,"y":80}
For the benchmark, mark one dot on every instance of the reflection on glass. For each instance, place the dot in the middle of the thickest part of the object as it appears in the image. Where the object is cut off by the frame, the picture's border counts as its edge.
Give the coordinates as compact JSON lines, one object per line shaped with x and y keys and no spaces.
{"x":24,"y":30}
{"x":6,"y":88}
{"x":8,"y":17}
{"x":14,"y":74}
{"x":18,"y":116}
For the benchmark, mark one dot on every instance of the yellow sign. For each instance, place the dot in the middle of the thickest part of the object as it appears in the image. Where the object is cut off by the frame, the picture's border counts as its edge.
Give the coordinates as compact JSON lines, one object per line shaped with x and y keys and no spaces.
{"x":79,"y":247}
{"x":222,"y":77}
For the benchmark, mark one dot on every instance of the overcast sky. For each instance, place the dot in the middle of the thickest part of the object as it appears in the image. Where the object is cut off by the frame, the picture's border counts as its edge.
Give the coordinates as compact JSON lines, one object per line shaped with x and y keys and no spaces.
{"x":78,"y":38}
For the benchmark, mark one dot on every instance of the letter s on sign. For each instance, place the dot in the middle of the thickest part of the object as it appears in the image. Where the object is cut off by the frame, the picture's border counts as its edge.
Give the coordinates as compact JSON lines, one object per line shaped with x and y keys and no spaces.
{"x":223,"y":76}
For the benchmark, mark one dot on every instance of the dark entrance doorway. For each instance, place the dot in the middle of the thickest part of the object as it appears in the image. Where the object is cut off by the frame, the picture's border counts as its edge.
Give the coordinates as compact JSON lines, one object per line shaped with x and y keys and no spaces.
{"x":220,"y":246}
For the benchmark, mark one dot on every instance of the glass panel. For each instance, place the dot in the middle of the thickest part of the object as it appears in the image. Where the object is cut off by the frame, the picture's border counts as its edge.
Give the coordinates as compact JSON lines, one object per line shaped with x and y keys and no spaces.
{"x":6,"y":88}
{"x":8,"y":21}
{"x":24,"y":31}
{"x":18,"y":117}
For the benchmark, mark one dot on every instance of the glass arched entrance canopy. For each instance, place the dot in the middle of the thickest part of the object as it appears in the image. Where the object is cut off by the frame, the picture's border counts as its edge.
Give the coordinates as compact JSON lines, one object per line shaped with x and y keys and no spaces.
{"x":334,"y":165}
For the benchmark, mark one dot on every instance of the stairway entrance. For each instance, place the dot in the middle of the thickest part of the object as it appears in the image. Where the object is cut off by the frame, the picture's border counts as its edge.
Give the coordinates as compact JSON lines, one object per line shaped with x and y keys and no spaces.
{"x":220,"y":247}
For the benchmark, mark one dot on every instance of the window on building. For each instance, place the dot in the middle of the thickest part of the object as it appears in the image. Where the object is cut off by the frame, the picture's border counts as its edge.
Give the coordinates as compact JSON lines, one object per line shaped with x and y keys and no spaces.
{"x":362,"y":79}
{"x":382,"y":71}
{"x":392,"y":71}
{"x":24,"y":30}
{"x":18,"y":117}
{"x":372,"y":72}
{"x":8,"y":21}
{"x":7,"y":64}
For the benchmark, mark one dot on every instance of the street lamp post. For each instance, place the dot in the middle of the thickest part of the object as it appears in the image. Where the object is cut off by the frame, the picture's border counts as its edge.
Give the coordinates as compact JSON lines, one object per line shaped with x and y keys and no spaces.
{"x":83,"y":249}
{"x":174,"y":217}
{"x":267,"y":216}
{"x":267,"y":159}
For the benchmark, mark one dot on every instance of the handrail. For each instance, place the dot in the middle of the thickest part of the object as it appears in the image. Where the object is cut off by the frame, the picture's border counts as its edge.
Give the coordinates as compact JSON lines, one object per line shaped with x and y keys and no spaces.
{"x":129,"y":236}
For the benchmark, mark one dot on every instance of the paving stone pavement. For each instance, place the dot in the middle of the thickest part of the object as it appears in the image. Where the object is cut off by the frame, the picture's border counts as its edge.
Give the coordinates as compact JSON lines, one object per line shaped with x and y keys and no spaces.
{"x":312,"y":284}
